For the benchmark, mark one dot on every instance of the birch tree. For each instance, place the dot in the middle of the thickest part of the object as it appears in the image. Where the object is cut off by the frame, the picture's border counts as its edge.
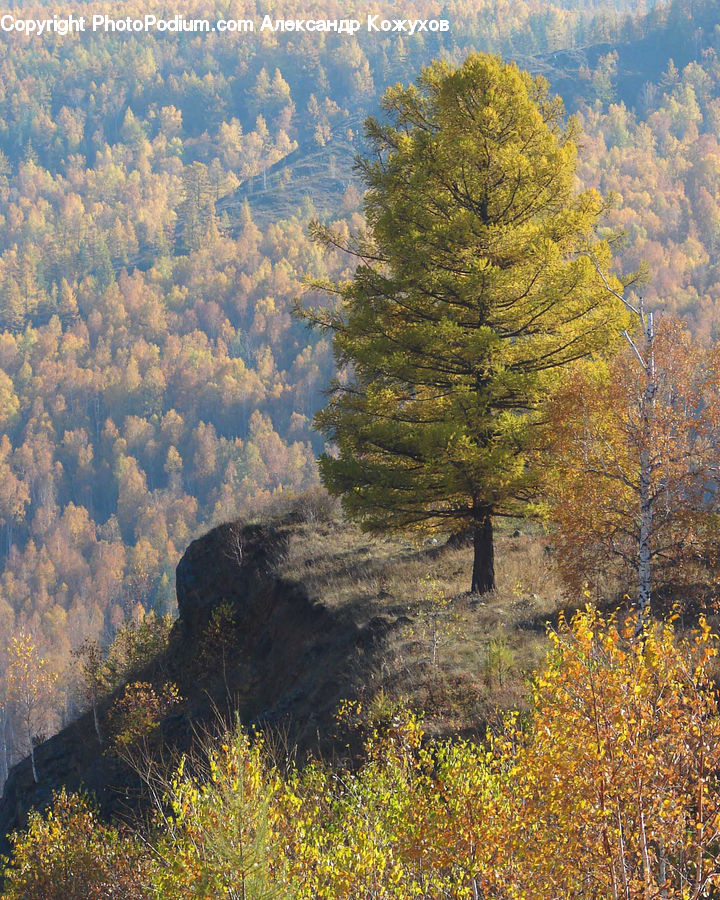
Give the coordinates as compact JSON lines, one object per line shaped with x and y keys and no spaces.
{"x":646,"y":359}
{"x":30,"y":683}
{"x":94,"y":678}
{"x":632,"y":486}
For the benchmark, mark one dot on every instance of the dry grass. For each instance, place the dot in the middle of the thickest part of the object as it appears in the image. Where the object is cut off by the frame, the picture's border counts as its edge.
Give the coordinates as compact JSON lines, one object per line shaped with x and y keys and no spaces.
{"x":463,"y":659}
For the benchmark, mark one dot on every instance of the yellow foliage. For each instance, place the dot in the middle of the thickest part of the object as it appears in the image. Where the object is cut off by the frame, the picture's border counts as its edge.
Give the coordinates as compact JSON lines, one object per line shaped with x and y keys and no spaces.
{"x":608,"y":788}
{"x":69,"y":854}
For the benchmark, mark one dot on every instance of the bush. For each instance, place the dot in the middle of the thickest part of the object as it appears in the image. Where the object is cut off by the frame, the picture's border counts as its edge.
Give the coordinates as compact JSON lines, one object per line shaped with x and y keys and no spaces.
{"x":136,"y":716}
{"x":613,"y":790}
{"x":222,"y":840}
{"x":608,"y":788}
{"x":70,"y":854}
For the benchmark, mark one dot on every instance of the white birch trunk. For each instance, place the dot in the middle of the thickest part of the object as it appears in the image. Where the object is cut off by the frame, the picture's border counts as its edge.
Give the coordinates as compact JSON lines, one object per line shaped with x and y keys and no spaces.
{"x":647,"y":499}
{"x":96,"y":719}
{"x":646,"y":358}
{"x":4,"y":767}
{"x":646,"y":519}
{"x":32,"y":755}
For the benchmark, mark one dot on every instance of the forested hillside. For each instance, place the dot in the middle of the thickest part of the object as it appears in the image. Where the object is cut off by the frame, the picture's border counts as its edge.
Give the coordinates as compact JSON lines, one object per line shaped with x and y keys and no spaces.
{"x":155,"y":192}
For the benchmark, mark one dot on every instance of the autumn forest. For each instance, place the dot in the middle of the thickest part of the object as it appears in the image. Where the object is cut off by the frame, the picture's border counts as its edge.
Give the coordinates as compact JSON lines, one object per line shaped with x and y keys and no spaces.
{"x":181,"y":220}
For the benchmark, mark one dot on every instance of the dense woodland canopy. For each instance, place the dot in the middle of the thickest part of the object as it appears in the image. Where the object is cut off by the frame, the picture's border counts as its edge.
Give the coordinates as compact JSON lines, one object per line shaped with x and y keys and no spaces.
{"x":152,"y":378}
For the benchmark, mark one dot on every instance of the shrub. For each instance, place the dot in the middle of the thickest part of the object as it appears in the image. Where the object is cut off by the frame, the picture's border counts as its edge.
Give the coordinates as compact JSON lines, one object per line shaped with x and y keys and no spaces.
{"x":70,"y":854}
{"x":136,"y":715}
{"x":609,"y":787}
{"x":221,"y":840}
{"x":613,"y":790}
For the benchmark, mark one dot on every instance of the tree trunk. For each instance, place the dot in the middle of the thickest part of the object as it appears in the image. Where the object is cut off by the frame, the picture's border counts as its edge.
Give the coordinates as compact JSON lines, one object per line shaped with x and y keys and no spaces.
{"x":32,"y":756}
{"x":483,"y":576}
{"x":644,"y":557}
{"x":96,"y":720}
{"x":4,"y":749}
{"x":646,"y":492}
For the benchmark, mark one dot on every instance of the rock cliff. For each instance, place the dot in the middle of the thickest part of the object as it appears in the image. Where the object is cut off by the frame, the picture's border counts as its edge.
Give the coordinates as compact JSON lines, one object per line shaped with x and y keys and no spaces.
{"x":287,"y":665}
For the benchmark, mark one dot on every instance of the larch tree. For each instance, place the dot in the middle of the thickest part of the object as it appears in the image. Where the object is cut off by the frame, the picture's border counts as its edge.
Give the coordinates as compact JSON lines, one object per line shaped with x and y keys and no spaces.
{"x":472,"y":293}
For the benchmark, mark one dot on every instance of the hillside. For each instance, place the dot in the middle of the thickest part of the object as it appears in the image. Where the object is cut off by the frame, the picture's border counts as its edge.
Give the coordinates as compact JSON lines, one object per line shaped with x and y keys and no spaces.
{"x":320,"y":614}
{"x":153,"y":381}
{"x":362,"y":546}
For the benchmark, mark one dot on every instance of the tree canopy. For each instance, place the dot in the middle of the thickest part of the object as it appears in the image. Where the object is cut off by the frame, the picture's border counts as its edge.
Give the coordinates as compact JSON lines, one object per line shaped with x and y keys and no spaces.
{"x":152,"y":380}
{"x":599,"y":439}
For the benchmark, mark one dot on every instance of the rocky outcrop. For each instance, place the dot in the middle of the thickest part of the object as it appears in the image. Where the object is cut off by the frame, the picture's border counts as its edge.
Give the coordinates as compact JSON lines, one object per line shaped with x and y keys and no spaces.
{"x":230,"y":563}
{"x":289,"y":664}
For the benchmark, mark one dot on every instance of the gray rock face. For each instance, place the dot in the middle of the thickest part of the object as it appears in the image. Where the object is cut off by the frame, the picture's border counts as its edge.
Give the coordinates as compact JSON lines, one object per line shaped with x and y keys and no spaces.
{"x":207,"y":574}
{"x":230,"y":563}
{"x":290,"y":663}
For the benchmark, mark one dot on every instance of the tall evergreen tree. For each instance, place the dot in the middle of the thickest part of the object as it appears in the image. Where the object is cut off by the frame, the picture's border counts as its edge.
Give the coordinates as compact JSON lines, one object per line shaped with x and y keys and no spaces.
{"x":476,"y":284}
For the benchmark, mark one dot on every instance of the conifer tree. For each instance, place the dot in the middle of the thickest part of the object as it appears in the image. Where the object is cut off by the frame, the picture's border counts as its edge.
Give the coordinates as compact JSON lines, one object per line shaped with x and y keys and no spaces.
{"x":474,"y":289}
